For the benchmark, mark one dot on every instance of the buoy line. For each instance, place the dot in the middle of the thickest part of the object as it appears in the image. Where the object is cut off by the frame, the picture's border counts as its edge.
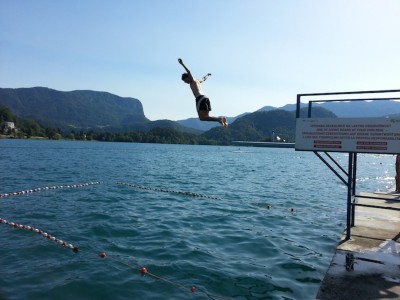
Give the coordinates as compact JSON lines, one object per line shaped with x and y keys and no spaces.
{"x":168,"y":191}
{"x":143,"y":270}
{"x":103,"y":255}
{"x":41,"y":232}
{"x":46,"y":188}
{"x":58,"y":187}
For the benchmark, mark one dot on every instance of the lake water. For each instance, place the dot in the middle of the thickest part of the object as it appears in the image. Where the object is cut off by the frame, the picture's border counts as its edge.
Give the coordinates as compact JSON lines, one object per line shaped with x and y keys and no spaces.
{"x":216,"y":218}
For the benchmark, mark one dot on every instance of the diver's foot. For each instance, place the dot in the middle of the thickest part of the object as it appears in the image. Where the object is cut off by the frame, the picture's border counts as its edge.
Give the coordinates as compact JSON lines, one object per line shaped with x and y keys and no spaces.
{"x":224,"y":122}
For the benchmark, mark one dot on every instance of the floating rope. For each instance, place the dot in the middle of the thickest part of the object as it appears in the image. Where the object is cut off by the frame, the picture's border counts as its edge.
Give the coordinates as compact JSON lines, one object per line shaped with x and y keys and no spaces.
{"x":143,"y":270}
{"x":97,"y":182}
{"x":48,"y":188}
{"x":168,"y":191}
{"x":41,"y":232}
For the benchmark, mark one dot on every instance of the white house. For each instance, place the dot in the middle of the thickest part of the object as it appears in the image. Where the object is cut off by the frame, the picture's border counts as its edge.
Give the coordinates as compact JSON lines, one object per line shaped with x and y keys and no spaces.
{"x":9,"y":125}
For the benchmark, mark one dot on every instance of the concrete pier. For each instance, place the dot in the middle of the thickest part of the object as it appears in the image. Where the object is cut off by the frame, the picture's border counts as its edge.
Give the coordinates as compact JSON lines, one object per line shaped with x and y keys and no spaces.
{"x":368,"y":265}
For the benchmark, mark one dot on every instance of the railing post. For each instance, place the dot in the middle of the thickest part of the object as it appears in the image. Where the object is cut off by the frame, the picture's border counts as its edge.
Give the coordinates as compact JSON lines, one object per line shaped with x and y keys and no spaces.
{"x":298,"y":106}
{"x":353,"y":190}
{"x":350,"y":179}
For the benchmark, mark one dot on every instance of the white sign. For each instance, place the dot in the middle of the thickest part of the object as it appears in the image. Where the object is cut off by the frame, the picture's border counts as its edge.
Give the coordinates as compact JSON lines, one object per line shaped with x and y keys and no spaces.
{"x":367,"y":135}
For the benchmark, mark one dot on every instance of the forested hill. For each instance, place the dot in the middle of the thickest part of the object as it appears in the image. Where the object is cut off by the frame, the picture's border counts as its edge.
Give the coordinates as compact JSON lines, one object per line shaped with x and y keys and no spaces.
{"x":102,"y":116}
{"x":90,"y":115}
{"x":259,"y":126}
{"x":75,"y":110}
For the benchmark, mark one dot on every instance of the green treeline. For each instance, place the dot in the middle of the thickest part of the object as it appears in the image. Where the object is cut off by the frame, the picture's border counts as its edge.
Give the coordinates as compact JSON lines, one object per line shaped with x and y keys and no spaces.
{"x":28,"y":128}
{"x":24,"y":127}
{"x":155,"y":135}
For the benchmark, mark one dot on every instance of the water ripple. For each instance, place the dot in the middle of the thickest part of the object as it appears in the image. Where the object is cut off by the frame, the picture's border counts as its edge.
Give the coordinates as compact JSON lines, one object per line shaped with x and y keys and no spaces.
{"x":270,"y":235}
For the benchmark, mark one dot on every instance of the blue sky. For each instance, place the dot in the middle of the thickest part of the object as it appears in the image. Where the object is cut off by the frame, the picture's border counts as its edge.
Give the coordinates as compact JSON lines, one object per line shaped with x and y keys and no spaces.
{"x":260,"y":52}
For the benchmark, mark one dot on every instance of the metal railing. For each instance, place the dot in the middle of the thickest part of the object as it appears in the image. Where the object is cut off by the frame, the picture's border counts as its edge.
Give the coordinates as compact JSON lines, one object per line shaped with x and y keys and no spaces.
{"x":349,"y":176}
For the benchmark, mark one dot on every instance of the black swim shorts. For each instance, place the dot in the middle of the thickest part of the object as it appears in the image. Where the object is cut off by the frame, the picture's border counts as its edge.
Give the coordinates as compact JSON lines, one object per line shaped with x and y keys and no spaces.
{"x":203,"y":103}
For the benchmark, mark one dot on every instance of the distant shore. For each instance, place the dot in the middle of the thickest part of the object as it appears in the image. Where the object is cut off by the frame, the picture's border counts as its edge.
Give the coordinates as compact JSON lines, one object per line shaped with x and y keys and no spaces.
{"x":3,"y":136}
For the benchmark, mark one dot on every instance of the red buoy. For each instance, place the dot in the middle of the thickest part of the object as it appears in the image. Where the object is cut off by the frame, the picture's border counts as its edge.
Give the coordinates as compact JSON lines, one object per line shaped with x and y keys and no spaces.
{"x":103,"y":254}
{"x":143,"y":270}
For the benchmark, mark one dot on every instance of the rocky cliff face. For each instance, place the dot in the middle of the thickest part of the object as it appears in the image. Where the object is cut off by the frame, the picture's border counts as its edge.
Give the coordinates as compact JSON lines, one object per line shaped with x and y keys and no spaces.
{"x":75,"y":109}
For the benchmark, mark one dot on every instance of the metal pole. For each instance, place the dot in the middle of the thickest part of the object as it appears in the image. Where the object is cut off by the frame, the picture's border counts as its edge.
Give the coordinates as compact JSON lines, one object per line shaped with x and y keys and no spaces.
{"x":331,"y":168}
{"x":298,"y":106}
{"x":353,"y":190}
{"x":349,"y":192}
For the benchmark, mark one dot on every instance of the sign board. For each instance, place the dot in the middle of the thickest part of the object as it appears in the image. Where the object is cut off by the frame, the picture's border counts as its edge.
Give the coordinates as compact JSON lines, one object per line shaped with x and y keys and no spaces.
{"x":366,"y":135}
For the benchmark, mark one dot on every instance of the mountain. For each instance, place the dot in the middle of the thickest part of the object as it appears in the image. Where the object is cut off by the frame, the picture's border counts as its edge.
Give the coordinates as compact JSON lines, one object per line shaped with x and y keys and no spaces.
{"x":359,"y":109}
{"x":353,"y":109}
{"x":85,"y":111}
{"x":171,"y":125}
{"x":268,"y":108}
{"x":82,"y":110}
{"x":90,"y":114}
{"x":195,"y":123}
{"x":260,"y":126}
{"x":88,"y":110}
